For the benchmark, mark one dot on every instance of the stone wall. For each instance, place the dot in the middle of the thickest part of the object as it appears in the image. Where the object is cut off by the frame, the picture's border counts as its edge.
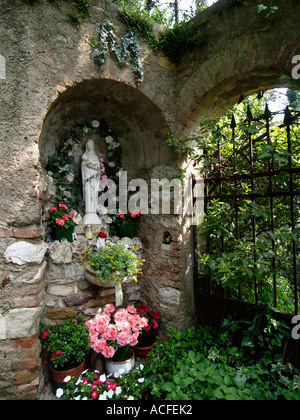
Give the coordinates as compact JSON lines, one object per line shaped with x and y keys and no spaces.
{"x":52,"y":82}
{"x":69,"y":292}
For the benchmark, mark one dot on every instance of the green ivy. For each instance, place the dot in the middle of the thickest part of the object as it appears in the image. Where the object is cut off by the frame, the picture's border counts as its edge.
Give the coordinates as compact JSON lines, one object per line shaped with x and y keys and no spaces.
{"x":130,"y":47}
{"x":178,"y":41}
{"x":60,"y":164}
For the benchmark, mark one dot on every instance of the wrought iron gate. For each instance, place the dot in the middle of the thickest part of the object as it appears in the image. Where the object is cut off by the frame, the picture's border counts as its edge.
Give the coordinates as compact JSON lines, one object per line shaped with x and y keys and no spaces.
{"x":256,"y":183}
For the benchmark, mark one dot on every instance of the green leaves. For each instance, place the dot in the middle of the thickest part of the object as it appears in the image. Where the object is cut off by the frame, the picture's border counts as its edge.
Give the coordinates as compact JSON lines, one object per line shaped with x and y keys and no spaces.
{"x":130,"y":47}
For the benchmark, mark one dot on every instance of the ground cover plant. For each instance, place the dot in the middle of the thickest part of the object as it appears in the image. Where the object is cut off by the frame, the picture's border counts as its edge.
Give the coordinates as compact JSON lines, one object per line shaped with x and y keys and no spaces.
{"x":240,"y":362}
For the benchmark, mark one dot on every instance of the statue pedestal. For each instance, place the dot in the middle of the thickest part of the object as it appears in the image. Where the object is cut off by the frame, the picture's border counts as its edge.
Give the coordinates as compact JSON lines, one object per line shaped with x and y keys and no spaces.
{"x":91,"y":219}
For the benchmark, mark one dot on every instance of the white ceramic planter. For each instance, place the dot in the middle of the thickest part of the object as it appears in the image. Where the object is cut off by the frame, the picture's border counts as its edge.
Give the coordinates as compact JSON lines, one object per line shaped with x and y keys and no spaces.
{"x":120,"y":368}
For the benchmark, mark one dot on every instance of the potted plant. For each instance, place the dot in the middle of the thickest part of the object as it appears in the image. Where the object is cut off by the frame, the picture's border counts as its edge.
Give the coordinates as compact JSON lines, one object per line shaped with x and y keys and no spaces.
{"x":146,"y":341}
{"x":112,"y":333}
{"x":61,"y":220}
{"x":66,"y":345}
{"x":126,"y":223}
{"x":111,"y":265}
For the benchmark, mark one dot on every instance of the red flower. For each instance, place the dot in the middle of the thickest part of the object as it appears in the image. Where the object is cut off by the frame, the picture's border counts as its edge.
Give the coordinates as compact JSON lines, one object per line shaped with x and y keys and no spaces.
{"x":157,"y":314}
{"x":53,"y":209}
{"x":45,"y":334}
{"x":57,"y":353}
{"x":102,"y":235}
{"x":94,"y":395}
{"x":122,"y":216}
{"x":111,"y":385}
{"x":63,"y":206}
{"x":135,"y":213}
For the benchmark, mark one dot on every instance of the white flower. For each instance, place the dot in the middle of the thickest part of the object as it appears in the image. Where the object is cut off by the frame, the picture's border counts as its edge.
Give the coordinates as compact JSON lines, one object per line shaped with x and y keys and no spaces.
{"x":103,"y":396}
{"x":141,"y":366}
{"x":141,"y":380}
{"x":109,"y":139}
{"x":85,"y":130}
{"x":77,"y":398}
{"x":118,"y":390}
{"x":111,"y":164}
{"x":110,"y":393}
{"x":102,"y":378}
{"x":70,"y":177}
{"x":67,"y":379}
{"x":95,"y":124}
{"x":130,"y":398}
{"x":59,"y":393}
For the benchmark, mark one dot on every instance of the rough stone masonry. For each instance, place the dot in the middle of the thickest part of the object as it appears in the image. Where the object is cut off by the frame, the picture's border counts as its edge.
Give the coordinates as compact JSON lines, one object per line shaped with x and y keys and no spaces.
{"x":48,"y":83}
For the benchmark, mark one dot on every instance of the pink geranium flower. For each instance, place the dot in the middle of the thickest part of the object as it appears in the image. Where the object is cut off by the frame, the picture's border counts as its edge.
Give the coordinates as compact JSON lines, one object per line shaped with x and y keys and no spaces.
{"x":110,"y":330}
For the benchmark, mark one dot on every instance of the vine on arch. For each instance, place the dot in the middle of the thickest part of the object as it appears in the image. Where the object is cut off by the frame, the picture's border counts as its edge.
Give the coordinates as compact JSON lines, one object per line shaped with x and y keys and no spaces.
{"x":130,"y":47}
{"x":60,"y":166}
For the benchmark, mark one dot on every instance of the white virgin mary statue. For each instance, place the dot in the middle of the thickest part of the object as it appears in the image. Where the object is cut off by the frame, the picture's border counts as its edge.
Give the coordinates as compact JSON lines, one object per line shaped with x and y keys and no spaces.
{"x":90,"y":170}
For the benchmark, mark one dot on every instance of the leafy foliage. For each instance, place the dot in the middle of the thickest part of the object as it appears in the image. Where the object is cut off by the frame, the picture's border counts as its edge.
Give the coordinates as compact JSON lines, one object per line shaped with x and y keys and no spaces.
{"x":114,"y":263}
{"x":178,"y":41}
{"x":130,"y":46}
{"x":233,"y":257}
{"x":241,"y":362}
{"x":67,"y":343}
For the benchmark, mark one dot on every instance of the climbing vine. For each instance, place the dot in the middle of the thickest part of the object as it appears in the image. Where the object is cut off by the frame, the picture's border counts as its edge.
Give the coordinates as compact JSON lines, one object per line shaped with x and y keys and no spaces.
{"x":60,"y":166}
{"x":130,"y":48}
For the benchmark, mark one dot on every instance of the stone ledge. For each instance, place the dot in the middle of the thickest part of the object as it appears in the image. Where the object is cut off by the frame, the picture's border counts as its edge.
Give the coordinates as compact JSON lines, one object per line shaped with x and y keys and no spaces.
{"x":26,"y":233}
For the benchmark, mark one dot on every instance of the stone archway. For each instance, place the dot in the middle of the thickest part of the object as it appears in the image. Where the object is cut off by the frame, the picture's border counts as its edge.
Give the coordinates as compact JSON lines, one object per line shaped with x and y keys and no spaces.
{"x":52,"y":82}
{"x":244,"y":52}
{"x":139,"y":124}
{"x":141,"y":130}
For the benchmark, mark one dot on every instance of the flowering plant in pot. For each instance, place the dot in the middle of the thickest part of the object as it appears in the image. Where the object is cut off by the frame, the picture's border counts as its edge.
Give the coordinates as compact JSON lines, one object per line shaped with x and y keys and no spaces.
{"x":61,"y":220}
{"x":111,"y":265}
{"x":114,"y":263}
{"x":112,"y":333}
{"x":148,"y":335}
{"x":126,"y":223}
{"x":66,"y":345}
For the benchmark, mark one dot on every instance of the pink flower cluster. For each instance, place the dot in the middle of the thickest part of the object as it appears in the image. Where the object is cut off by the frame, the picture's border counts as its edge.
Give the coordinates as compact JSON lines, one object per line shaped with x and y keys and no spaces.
{"x":110,"y":330}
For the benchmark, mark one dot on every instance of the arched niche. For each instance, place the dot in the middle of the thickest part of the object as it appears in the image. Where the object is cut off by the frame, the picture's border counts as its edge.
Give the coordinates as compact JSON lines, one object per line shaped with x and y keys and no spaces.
{"x":139,"y":124}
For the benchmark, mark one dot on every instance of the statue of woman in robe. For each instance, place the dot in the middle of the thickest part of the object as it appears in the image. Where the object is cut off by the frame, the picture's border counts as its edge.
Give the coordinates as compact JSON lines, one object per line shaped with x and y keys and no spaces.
{"x":90,"y":170}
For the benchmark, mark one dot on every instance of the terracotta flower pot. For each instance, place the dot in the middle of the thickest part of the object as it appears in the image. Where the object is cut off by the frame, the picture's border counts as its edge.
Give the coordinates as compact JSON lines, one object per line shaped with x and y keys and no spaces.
{"x":58,"y":376}
{"x":143,"y":351}
{"x":91,"y":277}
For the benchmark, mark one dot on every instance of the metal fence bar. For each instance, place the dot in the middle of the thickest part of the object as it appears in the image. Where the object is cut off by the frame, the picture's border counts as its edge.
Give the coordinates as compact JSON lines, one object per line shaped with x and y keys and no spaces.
{"x":267,"y":117}
{"x":287,"y":122}
{"x":250,"y":118}
{"x":214,"y":189}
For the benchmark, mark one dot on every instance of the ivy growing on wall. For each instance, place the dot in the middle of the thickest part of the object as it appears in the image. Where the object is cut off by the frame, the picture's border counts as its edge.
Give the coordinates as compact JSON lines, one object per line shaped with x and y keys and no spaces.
{"x":129,"y":50}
